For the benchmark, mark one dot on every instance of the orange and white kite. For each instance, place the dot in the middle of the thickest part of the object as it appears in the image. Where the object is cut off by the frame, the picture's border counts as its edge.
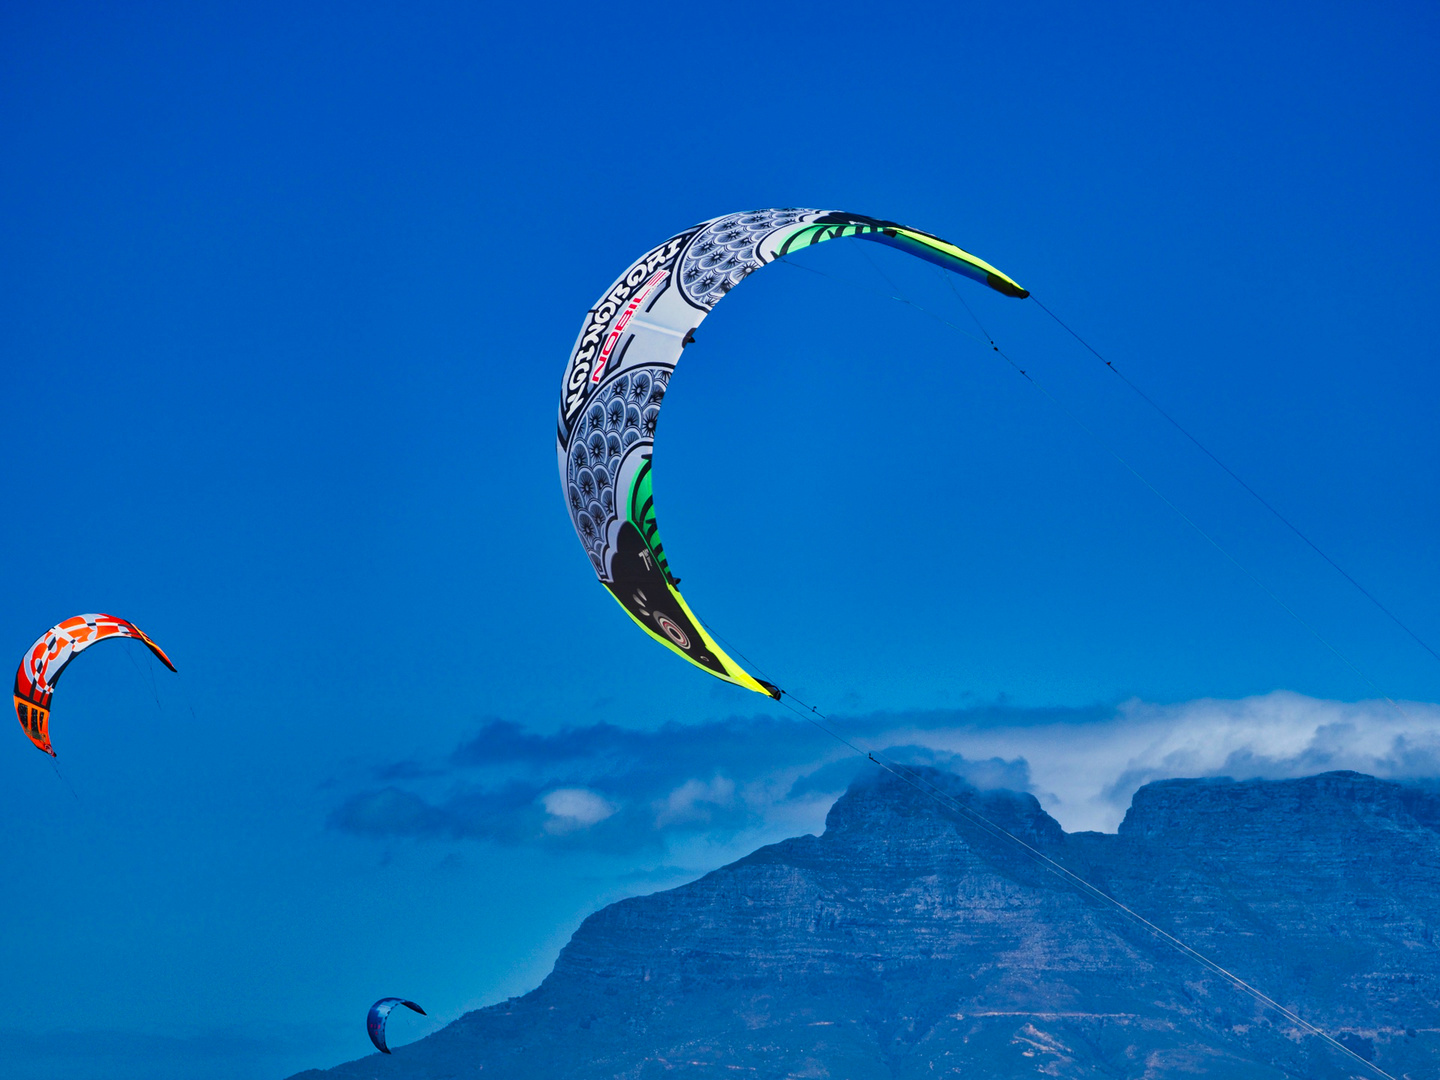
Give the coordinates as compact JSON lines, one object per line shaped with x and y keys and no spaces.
{"x":43,"y":663}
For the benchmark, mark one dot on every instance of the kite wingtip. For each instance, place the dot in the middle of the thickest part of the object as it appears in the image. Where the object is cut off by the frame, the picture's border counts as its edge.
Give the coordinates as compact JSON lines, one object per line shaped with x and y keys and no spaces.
{"x":1002,"y":284}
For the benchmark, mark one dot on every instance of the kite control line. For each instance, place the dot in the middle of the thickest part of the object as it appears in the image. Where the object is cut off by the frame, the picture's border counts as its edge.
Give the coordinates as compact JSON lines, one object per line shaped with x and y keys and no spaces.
{"x":811,"y":714}
{"x":1154,"y":490}
{"x":61,"y":777}
{"x":1236,"y":477}
{"x":909,"y":776}
{"x":1186,"y":518}
{"x":614,"y":384}
{"x":1209,"y":538}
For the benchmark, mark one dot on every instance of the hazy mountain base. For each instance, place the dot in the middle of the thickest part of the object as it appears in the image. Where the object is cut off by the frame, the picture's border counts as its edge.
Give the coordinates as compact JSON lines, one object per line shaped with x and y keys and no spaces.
{"x":905,"y":942}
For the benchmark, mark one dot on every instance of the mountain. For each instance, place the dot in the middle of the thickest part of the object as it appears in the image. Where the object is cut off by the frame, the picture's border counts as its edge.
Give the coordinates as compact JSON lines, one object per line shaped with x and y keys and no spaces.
{"x":906,"y":942}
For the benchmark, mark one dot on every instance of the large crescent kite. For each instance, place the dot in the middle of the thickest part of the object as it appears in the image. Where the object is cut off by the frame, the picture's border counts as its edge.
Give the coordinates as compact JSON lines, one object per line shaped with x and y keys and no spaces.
{"x":44,"y":663}
{"x":629,"y":344}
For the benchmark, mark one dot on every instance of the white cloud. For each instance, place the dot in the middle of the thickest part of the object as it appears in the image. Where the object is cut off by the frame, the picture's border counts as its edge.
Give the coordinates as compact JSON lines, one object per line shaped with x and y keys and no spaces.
{"x":574,"y":808}
{"x":1084,"y":774}
{"x":695,"y":801}
{"x":771,"y":777}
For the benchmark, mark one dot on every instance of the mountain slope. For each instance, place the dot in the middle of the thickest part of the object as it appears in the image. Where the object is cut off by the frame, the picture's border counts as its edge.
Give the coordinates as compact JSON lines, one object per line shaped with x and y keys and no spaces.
{"x":905,"y":942}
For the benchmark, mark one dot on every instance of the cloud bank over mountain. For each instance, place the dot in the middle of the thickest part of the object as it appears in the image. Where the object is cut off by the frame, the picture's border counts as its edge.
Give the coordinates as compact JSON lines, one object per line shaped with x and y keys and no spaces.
{"x":615,"y":790}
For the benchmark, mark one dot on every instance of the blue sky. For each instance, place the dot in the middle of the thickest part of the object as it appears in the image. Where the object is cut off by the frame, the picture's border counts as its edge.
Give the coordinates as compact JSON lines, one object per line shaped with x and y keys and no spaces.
{"x":284,"y":305}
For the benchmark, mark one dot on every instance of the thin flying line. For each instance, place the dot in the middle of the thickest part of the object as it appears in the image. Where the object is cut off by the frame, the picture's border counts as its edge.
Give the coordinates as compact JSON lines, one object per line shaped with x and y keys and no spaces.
{"x":1234,"y":476}
{"x":154,"y":686}
{"x":154,"y":689}
{"x":813,"y":715}
{"x":1176,"y":509}
{"x":1222,"y":465}
{"x":888,"y":279}
{"x":1210,"y":539}
{"x":950,"y":280}
{"x":749,"y":664}
{"x":63,"y":779}
{"x":1128,"y":467}
{"x":186,"y":693}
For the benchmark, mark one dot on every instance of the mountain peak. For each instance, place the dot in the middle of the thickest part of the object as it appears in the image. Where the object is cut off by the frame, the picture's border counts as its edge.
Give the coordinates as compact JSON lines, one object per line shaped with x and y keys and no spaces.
{"x":926,"y":801}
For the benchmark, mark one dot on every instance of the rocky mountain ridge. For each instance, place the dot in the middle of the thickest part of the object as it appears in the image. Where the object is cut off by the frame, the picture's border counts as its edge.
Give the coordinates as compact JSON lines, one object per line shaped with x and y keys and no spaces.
{"x":905,"y":942}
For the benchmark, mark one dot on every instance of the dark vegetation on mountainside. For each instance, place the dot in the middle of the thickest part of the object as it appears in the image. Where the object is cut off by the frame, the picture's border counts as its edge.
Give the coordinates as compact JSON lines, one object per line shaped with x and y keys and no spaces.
{"x":904,"y":942}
